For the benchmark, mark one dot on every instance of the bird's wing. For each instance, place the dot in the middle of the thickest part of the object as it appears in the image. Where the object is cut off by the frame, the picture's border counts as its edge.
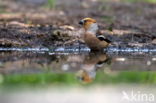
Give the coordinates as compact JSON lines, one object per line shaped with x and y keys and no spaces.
{"x":103,"y":38}
{"x":101,"y":63}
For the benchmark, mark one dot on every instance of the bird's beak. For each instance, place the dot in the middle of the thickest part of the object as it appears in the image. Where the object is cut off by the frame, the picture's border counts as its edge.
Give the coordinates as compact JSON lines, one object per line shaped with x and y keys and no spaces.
{"x":81,"y":22}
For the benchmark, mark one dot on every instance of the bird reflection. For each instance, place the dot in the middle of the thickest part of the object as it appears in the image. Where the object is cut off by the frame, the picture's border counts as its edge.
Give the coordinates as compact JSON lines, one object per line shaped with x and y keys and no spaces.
{"x":86,"y":66}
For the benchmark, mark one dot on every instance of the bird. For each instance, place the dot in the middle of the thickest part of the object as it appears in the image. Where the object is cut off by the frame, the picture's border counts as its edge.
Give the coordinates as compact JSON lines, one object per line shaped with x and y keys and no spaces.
{"x":92,"y":36}
{"x":91,"y":63}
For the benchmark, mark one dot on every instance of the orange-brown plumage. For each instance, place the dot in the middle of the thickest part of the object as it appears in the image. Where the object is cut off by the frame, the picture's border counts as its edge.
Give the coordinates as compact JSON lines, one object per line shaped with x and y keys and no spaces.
{"x":89,"y":66}
{"x":94,"y":40}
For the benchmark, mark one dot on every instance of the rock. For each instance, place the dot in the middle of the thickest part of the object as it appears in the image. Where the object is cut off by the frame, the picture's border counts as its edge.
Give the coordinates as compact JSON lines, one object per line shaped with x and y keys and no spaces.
{"x":7,"y":43}
{"x":154,"y":41}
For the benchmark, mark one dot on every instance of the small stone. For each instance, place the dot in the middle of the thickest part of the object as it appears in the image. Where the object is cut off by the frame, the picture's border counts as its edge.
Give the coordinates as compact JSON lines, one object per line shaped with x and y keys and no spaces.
{"x":154,"y":41}
{"x":67,"y":27}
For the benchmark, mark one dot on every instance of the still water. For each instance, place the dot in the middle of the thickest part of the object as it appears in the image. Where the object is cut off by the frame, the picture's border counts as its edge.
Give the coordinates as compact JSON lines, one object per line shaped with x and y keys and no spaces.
{"x":37,"y":76}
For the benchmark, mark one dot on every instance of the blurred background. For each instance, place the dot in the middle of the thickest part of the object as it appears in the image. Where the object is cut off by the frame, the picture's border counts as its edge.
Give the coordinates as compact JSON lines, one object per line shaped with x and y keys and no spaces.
{"x":30,"y":77}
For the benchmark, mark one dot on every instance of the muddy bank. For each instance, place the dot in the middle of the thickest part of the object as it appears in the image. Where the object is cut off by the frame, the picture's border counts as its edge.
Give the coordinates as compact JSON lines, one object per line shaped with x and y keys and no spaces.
{"x":125,"y":24}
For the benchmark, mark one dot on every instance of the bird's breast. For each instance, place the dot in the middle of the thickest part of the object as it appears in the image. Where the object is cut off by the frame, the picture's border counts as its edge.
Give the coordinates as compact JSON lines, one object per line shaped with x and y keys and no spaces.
{"x":93,"y":42}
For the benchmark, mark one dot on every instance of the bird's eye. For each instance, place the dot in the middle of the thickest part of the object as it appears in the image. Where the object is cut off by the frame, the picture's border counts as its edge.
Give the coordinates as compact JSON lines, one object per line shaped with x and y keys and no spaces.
{"x":85,"y":21}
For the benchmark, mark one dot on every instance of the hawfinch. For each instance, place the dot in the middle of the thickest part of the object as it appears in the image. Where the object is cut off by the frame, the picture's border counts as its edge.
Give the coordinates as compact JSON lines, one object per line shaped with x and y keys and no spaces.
{"x":90,"y":65}
{"x":92,"y":37}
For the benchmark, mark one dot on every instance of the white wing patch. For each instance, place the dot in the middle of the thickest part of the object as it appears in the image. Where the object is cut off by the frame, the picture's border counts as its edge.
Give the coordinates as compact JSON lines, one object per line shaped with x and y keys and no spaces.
{"x":103,"y":38}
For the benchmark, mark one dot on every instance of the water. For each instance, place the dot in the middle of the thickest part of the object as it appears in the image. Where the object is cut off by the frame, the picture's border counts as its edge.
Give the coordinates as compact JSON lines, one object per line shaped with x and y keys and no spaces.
{"x":76,"y":75}
{"x":82,"y":49}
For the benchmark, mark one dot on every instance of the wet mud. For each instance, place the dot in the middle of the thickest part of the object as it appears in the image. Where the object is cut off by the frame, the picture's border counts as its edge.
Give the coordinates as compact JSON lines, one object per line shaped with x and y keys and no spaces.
{"x":125,"y":24}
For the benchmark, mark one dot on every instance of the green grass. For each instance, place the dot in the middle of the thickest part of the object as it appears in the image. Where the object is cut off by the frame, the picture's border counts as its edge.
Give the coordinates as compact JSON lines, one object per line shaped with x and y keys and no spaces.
{"x":2,"y":10}
{"x":38,"y":79}
{"x":108,"y":19}
{"x":149,"y":1}
{"x":51,"y":4}
{"x":54,"y":79}
{"x":128,"y":77}
{"x":133,"y":1}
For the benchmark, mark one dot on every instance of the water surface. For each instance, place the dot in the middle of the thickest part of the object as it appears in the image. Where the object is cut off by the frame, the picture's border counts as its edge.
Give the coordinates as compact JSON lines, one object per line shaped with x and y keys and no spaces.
{"x":30,"y":74}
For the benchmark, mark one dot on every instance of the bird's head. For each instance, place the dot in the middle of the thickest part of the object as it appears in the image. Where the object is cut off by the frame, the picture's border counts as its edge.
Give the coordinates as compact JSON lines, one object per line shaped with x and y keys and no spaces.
{"x":84,"y":77}
{"x":89,"y":24}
